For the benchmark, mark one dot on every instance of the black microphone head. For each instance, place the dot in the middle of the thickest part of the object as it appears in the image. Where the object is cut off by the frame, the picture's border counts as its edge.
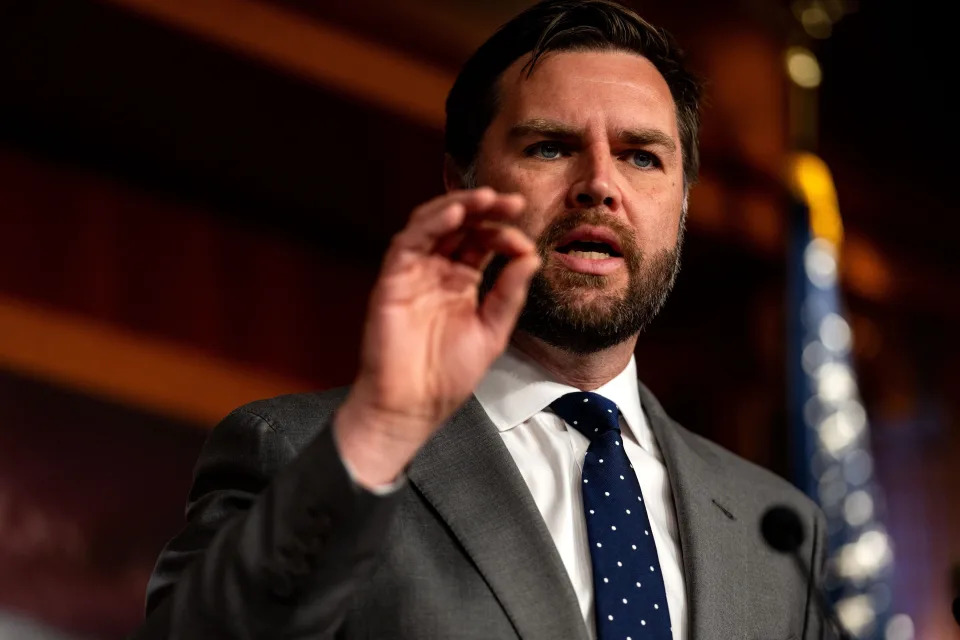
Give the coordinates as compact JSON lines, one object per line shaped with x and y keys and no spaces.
{"x":782,"y":529}
{"x":956,"y":609}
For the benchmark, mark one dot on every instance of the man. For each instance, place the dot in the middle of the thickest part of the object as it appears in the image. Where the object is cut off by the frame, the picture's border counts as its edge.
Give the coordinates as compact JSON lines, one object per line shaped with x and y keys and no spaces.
{"x":496,"y":437}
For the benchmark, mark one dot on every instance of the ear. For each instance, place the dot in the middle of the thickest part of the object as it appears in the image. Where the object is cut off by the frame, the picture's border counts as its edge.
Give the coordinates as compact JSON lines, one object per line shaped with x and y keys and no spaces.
{"x":452,"y":176}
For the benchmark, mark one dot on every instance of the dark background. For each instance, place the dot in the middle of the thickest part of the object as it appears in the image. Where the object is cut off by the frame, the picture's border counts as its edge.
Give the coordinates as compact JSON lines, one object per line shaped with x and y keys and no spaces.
{"x":192,"y":212}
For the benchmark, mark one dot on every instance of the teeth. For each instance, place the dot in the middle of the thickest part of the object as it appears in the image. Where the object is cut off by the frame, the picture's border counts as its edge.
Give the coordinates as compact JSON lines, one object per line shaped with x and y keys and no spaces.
{"x":589,"y":255}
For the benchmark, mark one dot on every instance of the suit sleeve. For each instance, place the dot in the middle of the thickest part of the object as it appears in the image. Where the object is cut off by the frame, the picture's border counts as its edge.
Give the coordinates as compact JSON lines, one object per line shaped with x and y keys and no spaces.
{"x":275,"y":541}
{"x":816,"y":628}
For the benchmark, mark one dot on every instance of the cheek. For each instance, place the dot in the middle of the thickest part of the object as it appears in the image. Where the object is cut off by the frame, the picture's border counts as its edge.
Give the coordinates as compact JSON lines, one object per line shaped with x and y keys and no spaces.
{"x":545,"y":201}
{"x":538,"y":186}
{"x":656,"y":216}
{"x":545,"y":192}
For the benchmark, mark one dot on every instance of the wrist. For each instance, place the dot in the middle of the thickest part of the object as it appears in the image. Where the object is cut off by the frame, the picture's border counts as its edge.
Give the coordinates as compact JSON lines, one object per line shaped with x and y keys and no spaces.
{"x":376,"y":446}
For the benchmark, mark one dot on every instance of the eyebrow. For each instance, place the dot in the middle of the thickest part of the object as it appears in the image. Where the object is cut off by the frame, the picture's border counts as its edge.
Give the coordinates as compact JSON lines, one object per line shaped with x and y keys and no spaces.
{"x":555,"y":130}
{"x":542,"y":127}
{"x":647,"y":137}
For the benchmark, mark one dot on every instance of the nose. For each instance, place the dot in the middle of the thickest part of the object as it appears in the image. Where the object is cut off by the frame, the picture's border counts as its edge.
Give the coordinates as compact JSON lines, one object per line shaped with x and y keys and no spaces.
{"x":595,"y":182}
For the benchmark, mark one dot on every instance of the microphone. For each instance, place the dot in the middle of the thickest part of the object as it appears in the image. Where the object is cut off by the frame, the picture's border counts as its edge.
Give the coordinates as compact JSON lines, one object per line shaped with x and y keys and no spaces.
{"x":956,"y":609}
{"x":782,"y":530}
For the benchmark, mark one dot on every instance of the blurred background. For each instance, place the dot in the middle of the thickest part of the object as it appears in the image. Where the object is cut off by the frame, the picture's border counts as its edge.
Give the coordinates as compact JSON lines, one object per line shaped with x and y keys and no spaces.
{"x":194,"y":199}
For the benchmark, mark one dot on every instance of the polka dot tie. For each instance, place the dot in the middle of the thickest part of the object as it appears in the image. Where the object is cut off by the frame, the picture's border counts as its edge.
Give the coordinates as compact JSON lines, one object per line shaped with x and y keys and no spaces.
{"x":631,"y":602}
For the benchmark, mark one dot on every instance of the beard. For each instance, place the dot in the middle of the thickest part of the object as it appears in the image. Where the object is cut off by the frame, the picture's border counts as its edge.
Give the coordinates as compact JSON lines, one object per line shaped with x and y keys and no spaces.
{"x":571,"y":310}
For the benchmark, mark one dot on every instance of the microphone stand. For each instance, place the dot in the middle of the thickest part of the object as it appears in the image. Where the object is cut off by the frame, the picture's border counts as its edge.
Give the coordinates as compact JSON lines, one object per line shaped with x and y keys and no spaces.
{"x":782,"y":530}
{"x":827,"y":611}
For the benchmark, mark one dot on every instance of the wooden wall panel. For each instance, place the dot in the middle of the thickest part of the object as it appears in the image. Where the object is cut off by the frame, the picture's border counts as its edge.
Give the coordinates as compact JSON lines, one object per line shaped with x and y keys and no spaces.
{"x":88,"y":245}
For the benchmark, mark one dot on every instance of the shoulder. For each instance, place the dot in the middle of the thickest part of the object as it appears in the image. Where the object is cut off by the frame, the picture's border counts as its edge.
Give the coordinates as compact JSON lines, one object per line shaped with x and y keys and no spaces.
{"x":752,"y":481}
{"x":295,"y":415}
{"x":752,"y":490}
{"x":749,"y":482}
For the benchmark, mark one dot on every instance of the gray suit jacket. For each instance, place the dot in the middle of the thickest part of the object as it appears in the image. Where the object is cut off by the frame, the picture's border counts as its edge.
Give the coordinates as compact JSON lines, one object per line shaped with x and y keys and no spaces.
{"x":279,"y":543}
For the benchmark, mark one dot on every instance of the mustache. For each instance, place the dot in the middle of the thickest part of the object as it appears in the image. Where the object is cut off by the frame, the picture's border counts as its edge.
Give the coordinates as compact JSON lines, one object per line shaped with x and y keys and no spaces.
{"x":564,"y":224}
{"x":554,"y":232}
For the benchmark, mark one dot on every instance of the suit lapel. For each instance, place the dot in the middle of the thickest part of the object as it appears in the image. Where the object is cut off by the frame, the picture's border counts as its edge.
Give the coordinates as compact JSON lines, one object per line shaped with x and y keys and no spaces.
{"x":711,"y":535}
{"x":467,"y":474}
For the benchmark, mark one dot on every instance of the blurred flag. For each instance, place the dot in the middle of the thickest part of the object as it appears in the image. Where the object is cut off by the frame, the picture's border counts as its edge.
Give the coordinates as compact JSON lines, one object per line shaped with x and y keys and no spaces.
{"x":834,"y":464}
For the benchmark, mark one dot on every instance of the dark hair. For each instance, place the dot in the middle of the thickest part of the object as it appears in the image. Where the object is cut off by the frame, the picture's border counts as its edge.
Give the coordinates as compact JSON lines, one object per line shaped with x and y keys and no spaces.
{"x":566,"y":25}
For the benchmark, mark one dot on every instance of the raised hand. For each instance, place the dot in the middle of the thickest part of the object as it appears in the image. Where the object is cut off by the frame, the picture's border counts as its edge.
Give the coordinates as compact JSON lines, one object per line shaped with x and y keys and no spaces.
{"x":427,"y":340}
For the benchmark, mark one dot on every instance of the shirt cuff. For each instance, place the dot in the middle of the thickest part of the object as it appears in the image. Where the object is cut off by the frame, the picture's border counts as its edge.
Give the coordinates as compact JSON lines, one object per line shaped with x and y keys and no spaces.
{"x":379,"y":490}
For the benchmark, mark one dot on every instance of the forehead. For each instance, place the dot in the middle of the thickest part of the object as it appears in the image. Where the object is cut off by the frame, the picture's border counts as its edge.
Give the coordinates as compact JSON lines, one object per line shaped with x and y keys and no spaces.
{"x":617,"y":88}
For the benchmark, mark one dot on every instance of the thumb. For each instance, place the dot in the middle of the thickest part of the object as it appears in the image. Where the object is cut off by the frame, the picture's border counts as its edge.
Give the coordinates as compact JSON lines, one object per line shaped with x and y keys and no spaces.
{"x":502,"y":305}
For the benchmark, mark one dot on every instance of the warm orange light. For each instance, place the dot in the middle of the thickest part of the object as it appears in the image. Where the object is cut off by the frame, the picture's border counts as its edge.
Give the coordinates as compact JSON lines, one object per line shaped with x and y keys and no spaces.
{"x":122,"y":366}
{"x":810,"y":178}
{"x":322,"y":52}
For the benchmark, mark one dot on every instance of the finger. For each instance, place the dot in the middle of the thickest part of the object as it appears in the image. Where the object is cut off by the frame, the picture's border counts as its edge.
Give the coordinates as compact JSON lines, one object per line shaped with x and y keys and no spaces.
{"x":472,"y":197}
{"x":477,"y":259}
{"x":470,"y":234}
{"x":425,"y":232}
{"x":479,"y":245}
{"x":450,"y":245}
{"x":505,"y":207}
{"x":502,"y":305}
{"x":473,"y":200}
{"x":422,"y":236}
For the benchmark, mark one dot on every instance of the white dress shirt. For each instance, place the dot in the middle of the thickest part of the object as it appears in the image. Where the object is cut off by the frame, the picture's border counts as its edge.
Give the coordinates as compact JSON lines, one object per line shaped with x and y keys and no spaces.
{"x":516,"y":393}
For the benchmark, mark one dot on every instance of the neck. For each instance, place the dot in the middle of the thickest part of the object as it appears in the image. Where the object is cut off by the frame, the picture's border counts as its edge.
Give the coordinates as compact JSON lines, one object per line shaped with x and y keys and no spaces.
{"x":585,"y":371}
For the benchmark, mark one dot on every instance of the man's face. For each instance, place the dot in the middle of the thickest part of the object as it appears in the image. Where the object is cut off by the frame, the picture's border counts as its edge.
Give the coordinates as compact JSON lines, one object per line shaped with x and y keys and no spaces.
{"x":591,"y":141}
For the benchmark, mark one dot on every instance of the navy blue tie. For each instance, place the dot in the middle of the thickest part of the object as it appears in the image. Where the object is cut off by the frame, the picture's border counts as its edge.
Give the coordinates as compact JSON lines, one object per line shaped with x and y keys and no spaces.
{"x":631,"y":602}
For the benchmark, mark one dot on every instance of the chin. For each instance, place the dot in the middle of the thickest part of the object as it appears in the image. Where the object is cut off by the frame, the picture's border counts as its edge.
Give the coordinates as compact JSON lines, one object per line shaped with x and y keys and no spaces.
{"x":595,"y":312}
{"x":581,"y":290}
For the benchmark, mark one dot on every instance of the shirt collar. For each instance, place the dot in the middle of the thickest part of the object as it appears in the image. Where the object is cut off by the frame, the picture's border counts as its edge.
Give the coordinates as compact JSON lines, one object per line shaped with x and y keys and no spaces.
{"x":516,"y":388}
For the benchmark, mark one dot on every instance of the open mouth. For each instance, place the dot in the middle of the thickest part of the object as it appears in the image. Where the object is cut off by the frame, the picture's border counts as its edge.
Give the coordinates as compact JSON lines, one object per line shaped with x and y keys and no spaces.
{"x":589,"y":250}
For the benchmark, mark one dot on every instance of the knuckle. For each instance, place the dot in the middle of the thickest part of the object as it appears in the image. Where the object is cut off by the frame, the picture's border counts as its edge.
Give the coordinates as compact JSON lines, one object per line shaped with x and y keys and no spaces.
{"x":398,"y":240}
{"x":424,"y":208}
{"x":418,"y":213}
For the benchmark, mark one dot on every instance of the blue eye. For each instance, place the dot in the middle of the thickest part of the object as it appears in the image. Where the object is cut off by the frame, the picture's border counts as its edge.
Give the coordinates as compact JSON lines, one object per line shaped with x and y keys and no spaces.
{"x":643,"y":159}
{"x":546,"y":150}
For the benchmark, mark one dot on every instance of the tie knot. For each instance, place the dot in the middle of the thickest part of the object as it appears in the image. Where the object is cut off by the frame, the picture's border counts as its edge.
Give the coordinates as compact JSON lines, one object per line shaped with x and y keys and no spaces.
{"x":589,"y":413}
